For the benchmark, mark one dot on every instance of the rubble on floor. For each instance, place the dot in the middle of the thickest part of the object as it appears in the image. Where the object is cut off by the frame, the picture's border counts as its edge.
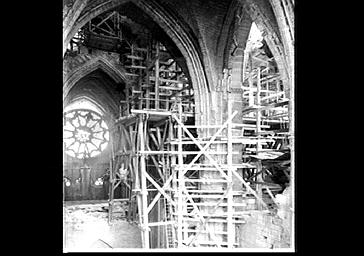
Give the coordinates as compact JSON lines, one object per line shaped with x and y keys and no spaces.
{"x":86,"y":226}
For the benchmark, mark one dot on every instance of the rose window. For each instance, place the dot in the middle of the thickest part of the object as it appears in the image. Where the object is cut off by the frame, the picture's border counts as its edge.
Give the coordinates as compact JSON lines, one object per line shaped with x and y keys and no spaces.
{"x":85,"y":133}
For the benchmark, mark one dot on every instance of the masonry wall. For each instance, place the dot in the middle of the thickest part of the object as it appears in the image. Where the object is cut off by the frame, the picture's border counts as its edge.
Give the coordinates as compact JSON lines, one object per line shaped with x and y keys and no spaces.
{"x":269,"y":230}
{"x":264,"y":231}
{"x":86,"y":189}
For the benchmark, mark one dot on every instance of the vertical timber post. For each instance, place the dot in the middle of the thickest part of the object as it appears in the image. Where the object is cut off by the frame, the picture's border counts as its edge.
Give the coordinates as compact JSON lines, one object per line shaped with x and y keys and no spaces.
{"x":258,"y":145}
{"x":147,"y":75}
{"x":180,"y":178}
{"x":111,"y":179}
{"x":156,"y":95}
{"x":144,"y":191}
{"x":230,"y":209}
{"x":172,"y":162}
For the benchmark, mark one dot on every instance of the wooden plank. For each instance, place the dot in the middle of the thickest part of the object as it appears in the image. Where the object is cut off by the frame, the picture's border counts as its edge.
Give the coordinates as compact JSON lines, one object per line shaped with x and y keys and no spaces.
{"x":152,"y":78}
{"x":265,"y":120}
{"x":151,"y":112}
{"x":213,"y":221}
{"x":274,"y":95}
{"x":206,"y":152}
{"x":156,"y":100}
{"x":204,"y":231}
{"x":161,"y":223}
{"x":170,"y":71}
{"x":120,"y":199}
{"x":215,"y":204}
{"x":202,"y":126}
{"x":196,"y":168}
{"x":214,"y":243}
{"x":206,"y":180}
{"x":134,"y":66}
{"x":172,"y":88}
{"x":131,"y":74}
{"x":134,"y":57}
{"x":264,"y":107}
{"x":214,"y":196}
{"x":200,"y":141}
{"x":161,"y":94}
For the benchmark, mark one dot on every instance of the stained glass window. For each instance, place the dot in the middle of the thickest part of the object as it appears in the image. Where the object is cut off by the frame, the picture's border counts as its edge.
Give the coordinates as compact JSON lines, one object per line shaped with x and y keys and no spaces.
{"x":85,"y":133}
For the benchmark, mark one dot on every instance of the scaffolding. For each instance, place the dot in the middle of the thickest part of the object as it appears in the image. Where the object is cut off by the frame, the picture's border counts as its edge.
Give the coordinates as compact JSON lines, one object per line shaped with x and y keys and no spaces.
{"x":267,"y":112}
{"x":184,"y":189}
{"x":181,"y":181}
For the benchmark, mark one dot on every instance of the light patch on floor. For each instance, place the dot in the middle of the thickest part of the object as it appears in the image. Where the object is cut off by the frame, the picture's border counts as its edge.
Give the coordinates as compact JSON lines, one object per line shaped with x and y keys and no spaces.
{"x":86,"y":226}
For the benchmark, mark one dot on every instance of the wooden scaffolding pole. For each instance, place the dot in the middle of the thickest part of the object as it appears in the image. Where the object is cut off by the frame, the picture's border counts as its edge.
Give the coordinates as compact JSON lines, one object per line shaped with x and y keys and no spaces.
{"x":172,"y":161}
{"x":111,"y":179}
{"x":156,"y":91}
{"x":135,"y":147}
{"x":149,"y":71}
{"x":147,"y":75}
{"x":144,"y":191}
{"x":180,"y":180}
{"x":258,"y":144}
{"x":230,"y":209}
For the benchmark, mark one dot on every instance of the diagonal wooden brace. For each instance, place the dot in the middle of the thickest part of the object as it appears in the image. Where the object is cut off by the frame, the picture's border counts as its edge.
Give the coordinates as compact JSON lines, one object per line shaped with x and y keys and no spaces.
{"x":166,"y":184}
{"x":249,"y":188}
{"x":203,"y":149}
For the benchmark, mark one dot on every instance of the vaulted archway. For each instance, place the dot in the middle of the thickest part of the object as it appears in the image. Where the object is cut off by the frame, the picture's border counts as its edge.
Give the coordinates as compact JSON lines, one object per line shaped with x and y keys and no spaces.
{"x":175,"y":31}
{"x":84,"y":64}
{"x":199,"y":118}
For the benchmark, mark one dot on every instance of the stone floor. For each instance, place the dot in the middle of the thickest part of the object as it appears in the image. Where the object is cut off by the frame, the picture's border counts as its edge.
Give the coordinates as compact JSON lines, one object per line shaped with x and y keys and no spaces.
{"x":85,"y":226}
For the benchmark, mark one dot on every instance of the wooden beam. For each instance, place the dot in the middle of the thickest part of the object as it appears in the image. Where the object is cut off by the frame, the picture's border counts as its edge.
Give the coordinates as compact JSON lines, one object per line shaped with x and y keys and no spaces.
{"x":206,"y":152}
{"x":106,"y":31}
{"x":264,"y":107}
{"x":161,"y":223}
{"x":134,"y":57}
